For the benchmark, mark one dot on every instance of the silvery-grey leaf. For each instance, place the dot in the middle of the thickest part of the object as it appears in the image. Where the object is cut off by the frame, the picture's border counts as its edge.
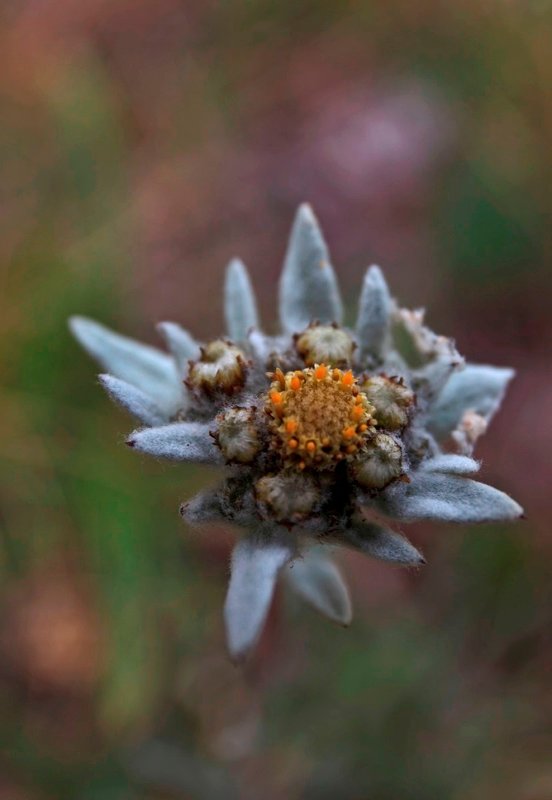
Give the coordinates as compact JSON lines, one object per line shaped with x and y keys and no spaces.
{"x":316,"y":579}
{"x":255,"y":565}
{"x":430,"y":380}
{"x":202,"y":508}
{"x":133,"y":400}
{"x":139,"y":364}
{"x":419,"y":444}
{"x":450,"y":498}
{"x":308,"y":286}
{"x":263,"y":347}
{"x":181,"y":441}
{"x":181,"y":344}
{"x":394,"y":364}
{"x":375,"y":305}
{"x":432,"y":358}
{"x":477,"y":387}
{"x":238,"y":502}
{"x":450,"y":462}
{"x":316,"y":526}
{"x":240,"y":308}
{"x":380,"y":543}
{"x":466,"y":434}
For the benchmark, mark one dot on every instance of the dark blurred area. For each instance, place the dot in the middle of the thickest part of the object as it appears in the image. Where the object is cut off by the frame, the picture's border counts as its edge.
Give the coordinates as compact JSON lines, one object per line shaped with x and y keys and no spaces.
{"x":143,"y":144}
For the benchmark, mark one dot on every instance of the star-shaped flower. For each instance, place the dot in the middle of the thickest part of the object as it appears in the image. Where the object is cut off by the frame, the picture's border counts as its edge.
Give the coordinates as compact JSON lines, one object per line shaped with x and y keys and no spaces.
{"x":326,"y":434}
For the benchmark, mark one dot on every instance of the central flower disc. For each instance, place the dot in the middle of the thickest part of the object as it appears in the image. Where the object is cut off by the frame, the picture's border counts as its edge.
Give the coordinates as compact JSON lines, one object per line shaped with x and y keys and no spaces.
{"x":319,"y":416}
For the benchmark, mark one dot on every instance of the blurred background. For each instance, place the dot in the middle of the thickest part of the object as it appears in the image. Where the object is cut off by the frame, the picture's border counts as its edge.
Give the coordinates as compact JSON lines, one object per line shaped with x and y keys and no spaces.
{"x":143,"y":144}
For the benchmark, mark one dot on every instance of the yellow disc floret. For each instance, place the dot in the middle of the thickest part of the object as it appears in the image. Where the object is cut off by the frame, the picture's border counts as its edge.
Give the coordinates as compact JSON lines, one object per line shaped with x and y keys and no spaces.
{"x":318,"y":416}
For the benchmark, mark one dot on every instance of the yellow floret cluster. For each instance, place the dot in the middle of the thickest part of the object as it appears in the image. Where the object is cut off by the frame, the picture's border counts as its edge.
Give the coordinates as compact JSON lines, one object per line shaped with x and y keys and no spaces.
{"x":318,"y":416}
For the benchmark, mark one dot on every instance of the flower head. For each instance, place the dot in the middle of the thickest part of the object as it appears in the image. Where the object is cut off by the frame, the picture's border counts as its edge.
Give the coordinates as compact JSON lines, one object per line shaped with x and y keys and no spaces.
{"x":327,"y":435}
{"x":318,"y":417}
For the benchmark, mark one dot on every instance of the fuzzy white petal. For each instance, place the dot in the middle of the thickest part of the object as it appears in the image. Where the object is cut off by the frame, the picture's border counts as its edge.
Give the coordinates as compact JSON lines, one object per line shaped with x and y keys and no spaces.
{"x":133,"y":400}
{"x":240,"y":308}
{"x":432,"y":358}
{"x":431,"y":379}
{"x":145,"y":367}
{"x":308,"y":286}
{"x":262,"y":347}
{"x":181,"y":344}
{"x":374,"y":311}
{"x":202,"y":508}
{"x":316,"y":579}
{"x":449,"y":498}
{"x":254,"y":569}
{"x":477,"y":387}
{"x":380,"y":543}
{"x":181,"y":441}
{"x":452,"y":463}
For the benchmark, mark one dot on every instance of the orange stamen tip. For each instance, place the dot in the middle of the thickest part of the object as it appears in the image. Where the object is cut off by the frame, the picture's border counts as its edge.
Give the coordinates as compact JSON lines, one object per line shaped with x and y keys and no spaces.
{"x":293,"y":444}
{"x":363,"y":427}
{"x":291,"y":426}
{"x":351,"y":449}
{"x":348,"y":379}
{"x":301,"y":465}
{"x":311,"y":446}
{"x":358,"y":398}
{"x":349,"y":432}
{"x":295,"y":383}
{"x":321,"y":372}
{"x":358,"y":411}
{"x":276,"y":398}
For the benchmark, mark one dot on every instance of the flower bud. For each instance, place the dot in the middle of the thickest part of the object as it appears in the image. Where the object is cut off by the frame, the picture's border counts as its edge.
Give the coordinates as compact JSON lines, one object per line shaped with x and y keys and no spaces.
{"x":379,"y":464}
{"x":325,"y":344}
{"x":222,"y":367}
{"x":237,"y":435}
{"x":287,"y":497}
{"x":391,"y":399}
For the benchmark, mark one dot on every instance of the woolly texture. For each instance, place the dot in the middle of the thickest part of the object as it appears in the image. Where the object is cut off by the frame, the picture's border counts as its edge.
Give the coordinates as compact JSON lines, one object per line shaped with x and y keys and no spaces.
{"x":253,"y":572}
{"x":308,"y":286}
{"x":318,"y":581}
{"x":181,"y":344}
{"x":450,"y":498}
{"x":240,"y":308}
{"x":321,"y":430}
{"x":381,"y":543}
{"x":133,"y":400}
{"x":373,"y":314}
{"x":181,"y":441}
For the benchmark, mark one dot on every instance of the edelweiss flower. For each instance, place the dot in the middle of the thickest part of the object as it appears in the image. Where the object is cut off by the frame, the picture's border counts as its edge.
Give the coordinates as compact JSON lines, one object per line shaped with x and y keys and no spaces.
{"x":327,"y":434}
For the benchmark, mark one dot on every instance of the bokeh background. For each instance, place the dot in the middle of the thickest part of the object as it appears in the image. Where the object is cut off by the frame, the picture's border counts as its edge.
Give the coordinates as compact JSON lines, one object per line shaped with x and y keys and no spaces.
{"x":143,"y":144}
